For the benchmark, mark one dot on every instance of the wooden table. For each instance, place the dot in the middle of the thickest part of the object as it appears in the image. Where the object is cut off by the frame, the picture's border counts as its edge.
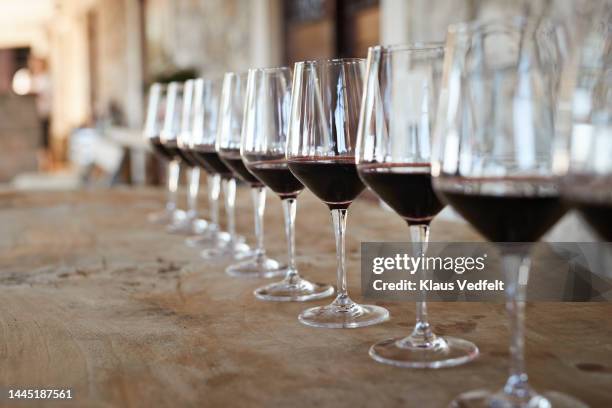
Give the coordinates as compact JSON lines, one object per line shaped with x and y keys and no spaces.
{"x":95,"y":299}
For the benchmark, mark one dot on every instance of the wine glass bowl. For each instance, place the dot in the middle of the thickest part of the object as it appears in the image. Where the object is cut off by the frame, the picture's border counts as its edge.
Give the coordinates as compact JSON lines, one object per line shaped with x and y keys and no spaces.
{"x":154,"y":120}
{"x":496,"y":129}
{"x":326,"y":100}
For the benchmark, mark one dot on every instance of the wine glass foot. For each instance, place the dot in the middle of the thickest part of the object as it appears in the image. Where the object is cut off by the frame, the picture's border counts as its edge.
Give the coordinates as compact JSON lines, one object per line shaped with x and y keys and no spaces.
{"x":232,"y":251}
{"x":346,"y":315}
{"x":258,"y":267}
{"x":202,"y":226}
{"x":438,"y":352}
{"x":165,"y":217}
{"x":488,"y":399}
{"x":294,"y":290}
{"x":187,"y":225}
{"x":209,"y":239}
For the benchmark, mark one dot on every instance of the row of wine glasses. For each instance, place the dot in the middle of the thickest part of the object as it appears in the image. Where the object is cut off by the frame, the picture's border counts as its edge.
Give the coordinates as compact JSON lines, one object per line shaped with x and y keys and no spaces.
{"x":181,"y":125}
{"x":471,"y":123}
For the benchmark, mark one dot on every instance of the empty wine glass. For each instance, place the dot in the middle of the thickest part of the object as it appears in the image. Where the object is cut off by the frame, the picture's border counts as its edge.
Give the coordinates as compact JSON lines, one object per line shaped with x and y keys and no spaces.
{"x":229,"y":123}
{"x":264,"y":145}
{"x":228,"y":146}
{"x":154,"y":122}
{"x":190,"y":223}
{"x":325,"y":106}
{"x":493,"y":161}
{"x":397,"y":116}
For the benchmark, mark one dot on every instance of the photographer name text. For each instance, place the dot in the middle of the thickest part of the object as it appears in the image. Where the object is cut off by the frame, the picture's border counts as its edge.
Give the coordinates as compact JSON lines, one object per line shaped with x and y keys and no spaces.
{"x":424,"y":264}
{"x":433,"y":286}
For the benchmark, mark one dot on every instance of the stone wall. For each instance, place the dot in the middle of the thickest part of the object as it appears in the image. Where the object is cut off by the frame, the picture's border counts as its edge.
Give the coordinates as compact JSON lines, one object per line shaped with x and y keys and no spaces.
{"x":111,"y":55}
{"x":210,"y":36}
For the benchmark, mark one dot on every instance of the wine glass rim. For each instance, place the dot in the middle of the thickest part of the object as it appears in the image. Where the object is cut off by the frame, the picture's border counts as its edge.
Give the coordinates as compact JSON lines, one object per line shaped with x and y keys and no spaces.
{"x":161,"y":85}
{"x":269,"y":69}
{"x":177,"y":84}
{"x":211,"y":79}
{"x":331,"y":61}
{"x":411,"y":47}
{"x":240,"y":74}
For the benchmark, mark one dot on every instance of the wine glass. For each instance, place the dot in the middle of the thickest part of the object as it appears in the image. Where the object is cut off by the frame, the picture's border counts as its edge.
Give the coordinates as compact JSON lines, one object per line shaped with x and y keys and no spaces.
{"x":264,"y":145}
{"x":585,"y":153}
{"x":393,"y":159}
{"x":493,"y":161}
{"x":206,"y":99}
{"x":321,"y":153}
{"x":228,"y":146}
{"x":168,"y":138}
{"x":154,"y":121}
{"x":229,"y":122}
{"x":190,"y":223}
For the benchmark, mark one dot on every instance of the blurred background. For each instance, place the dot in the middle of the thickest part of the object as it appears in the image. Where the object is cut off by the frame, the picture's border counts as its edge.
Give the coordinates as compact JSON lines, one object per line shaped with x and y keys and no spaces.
{"x":74,"y":73}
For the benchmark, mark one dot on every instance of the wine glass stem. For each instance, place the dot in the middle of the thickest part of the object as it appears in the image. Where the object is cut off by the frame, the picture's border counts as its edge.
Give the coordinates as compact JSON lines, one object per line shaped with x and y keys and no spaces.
{"x":174,"y":170}
{"x":339,"y":221}
{"x":289,"y":211}
{"x":214,"y":188}
{"x":516,"y":269}
{"x":258,"y":194}
{"x":194,"y":186}
{"x":419,"y":235}
{"x":229,"y":193}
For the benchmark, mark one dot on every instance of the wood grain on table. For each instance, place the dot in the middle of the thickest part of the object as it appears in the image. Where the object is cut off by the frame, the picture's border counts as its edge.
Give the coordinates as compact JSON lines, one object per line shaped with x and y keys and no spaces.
{"x":95,"y":299}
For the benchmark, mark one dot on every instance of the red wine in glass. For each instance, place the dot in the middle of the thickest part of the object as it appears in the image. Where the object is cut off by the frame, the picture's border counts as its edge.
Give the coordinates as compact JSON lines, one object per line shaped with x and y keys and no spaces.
{"x":275,"y":173}
{"x":209,"y":158}
{"x":187,"y":157}
{"x":334,"y":180}
{"x":233,"y":160}
{"x":200,"y":163}
{"x":505,"y":209}
{"x":598,"y":215}
{"x":163,"y":152}
{"x":172,"y":149}
{"x":592,"y":197}
{"x":405,"y":187}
